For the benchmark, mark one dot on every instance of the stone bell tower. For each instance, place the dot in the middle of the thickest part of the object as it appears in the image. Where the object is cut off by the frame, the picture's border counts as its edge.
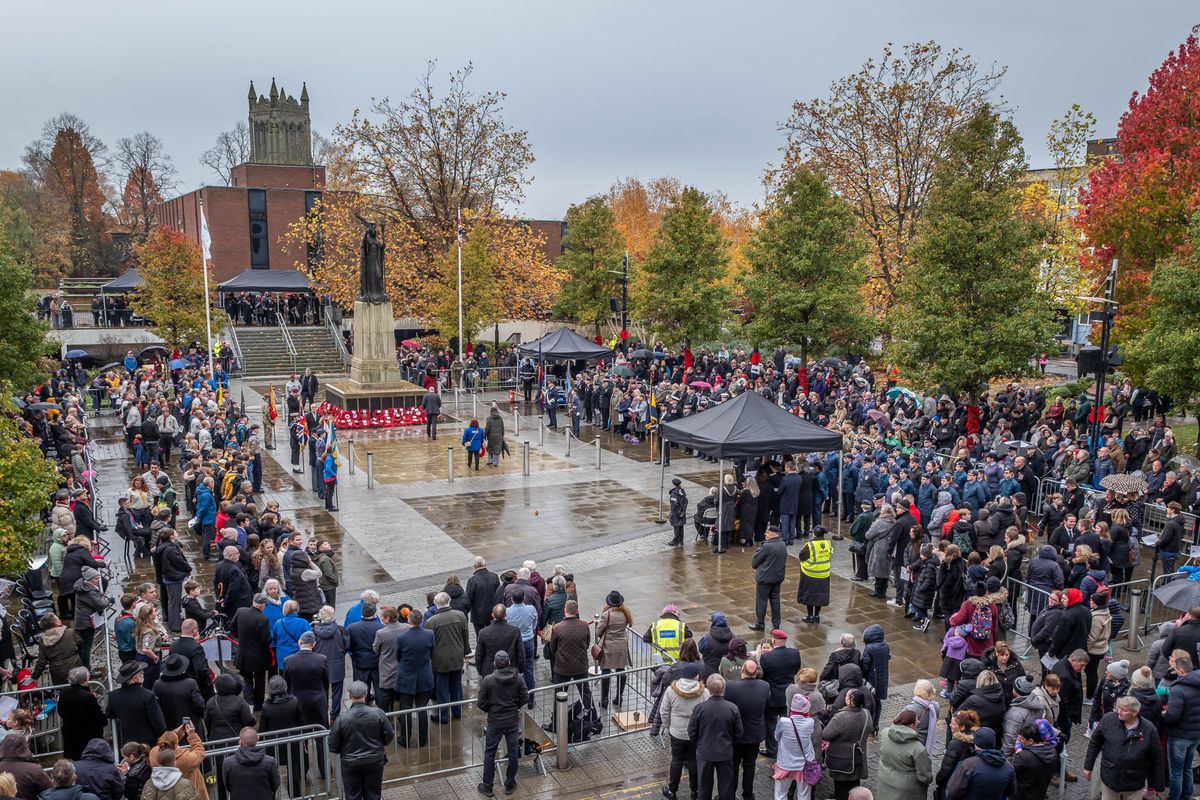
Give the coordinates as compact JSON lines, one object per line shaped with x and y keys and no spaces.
{"x":280,"y":130}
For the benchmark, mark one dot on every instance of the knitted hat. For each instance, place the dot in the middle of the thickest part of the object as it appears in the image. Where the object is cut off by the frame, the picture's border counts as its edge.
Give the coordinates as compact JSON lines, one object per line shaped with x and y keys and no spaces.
{"x":800,"y":704}
{"x":985,"y":739}
{"x":1118,"y":669}
{"x":690,"y":670}
{"x":1023,"y":685}
{"x":717,"y":618}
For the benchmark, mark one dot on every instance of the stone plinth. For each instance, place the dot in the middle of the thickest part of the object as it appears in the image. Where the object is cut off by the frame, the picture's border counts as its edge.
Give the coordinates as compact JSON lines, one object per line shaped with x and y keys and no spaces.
{"x":373,"y":364}
{"x":375,"y":383}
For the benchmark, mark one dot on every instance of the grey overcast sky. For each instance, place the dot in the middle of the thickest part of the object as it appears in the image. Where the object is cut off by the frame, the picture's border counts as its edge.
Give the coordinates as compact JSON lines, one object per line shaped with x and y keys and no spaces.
{"x":691,"y":88}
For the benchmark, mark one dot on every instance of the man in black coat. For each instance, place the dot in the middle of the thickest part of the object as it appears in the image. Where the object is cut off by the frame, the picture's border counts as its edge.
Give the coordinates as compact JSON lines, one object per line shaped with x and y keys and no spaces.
{"x":899,"y":541}
{"x":230,"y":586}
{"x":250,"y":772}
{"x":1070,"y":696}
{"x":252,"y":632}
{"x":496,"y":637}
{"x":770,"y":568}
{"x":86,"y":523}
{"x":715,"y":727}
{"x":1131,"y":757}
{"x":502,"y":694}
{"x":197,"y":662}
{"x":1185,"y":637}
{"x":750,"y":695}
{"x":134,"y":707}
{"x":82,"y":717}
{"x":481,"y":591}
{"x":178,"y":695}
{"x":779,"y":668}
{"x":307,"y":674}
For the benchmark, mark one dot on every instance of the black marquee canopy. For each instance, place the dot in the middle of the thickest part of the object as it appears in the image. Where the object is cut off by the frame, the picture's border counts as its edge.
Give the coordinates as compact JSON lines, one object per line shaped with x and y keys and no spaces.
{"x":564,"y":344}
{"x":748,"y":426}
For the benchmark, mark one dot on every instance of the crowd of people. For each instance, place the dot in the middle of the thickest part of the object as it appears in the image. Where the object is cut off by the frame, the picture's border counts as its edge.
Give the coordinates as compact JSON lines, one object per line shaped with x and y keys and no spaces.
{"x":938,"y":495}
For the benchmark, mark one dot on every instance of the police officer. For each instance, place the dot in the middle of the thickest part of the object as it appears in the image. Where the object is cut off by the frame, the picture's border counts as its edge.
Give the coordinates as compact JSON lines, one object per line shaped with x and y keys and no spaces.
{"x":667,"y":633}
{"x":815,"y":558}
{"x":678,"y":518}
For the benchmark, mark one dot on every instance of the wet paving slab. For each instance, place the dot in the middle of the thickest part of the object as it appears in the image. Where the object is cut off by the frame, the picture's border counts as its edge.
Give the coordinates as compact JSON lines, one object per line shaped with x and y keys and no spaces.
{"x":499,"y":523}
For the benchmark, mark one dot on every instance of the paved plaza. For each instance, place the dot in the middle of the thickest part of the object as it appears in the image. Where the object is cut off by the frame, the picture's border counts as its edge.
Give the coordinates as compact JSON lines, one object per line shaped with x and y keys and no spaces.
{"x":415,"y":527}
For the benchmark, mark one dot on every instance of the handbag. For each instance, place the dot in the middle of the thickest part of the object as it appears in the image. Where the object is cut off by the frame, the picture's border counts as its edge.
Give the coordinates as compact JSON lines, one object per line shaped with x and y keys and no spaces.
{"x":812,"y":769}
{"x":857,"y":547}
{"x":598,"y":647}
{"x":845,"y":758}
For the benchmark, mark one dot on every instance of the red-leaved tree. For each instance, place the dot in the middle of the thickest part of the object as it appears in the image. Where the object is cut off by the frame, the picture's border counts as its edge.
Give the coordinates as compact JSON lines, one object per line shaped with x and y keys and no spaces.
{"x":1136,"y":208}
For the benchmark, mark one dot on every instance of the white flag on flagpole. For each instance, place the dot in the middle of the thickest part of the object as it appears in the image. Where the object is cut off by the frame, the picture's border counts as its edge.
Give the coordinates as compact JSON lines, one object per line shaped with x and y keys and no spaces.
{"x":205,"y":237}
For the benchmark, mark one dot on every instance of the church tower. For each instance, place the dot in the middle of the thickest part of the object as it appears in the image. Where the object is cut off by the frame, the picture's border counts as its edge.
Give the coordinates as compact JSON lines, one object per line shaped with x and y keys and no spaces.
{"x":280,"y":130}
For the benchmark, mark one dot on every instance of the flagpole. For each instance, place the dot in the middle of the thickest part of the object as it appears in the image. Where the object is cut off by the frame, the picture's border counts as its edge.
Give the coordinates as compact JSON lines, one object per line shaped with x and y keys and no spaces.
{"x":206,"y":239}
{"x":458,"y":238}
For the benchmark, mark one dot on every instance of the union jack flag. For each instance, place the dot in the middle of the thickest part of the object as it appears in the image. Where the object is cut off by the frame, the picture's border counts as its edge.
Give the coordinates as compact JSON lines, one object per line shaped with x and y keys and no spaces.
{"x":301,"y":427}
{"x":462,"y":231}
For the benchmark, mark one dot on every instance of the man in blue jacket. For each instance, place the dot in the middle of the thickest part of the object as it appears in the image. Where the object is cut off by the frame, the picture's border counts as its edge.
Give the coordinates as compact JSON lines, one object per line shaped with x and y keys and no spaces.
{"x":414,"y":678}
{"x":789,"y":502}
{"x":206,"y":517}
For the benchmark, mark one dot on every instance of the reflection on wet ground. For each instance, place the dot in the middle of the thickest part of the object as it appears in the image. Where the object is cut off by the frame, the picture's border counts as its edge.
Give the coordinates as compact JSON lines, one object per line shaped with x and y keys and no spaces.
{"x":405,"y":454}
{"x":499,"y":523}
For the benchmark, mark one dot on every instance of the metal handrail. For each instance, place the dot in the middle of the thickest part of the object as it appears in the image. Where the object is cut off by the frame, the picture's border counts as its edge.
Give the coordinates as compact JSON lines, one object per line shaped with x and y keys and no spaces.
{"x":337,"y":336}
{"x":237,"y":348}
{"x":287,"y":339}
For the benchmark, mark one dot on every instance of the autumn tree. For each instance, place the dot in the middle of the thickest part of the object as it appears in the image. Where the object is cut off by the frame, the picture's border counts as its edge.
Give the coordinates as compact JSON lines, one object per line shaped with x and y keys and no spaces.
{"x":1165,"y":354}
{"x":684,"y":296}
{"x":1051,"y":201}
{"x":27,"y":478}
{"x":172,"y":297}
{"x":64,"y":160}
{"x":638,"y":209}
{"x":495,"y":285}
{"x":877,"y":136}
{"x":22,"y":336}
{"x":413,"y":164}
{"x":968,"y":309}
{"x":35,"y":227}
{"x":232,"y":148}
{"x":593,"y":252}
{"x":149,"y":174}
{"x":806,"y":269}
{"x":1136,"y":208}
{"x":429,"y":155}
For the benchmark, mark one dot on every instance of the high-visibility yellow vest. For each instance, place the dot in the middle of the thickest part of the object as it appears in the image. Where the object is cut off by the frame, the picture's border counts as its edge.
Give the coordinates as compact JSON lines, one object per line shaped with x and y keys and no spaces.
{"x":667,"y":635}
{"x":820,"y":553}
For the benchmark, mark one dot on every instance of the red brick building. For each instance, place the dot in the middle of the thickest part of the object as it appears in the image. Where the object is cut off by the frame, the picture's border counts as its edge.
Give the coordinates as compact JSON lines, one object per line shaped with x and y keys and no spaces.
{"x":267,"y":194}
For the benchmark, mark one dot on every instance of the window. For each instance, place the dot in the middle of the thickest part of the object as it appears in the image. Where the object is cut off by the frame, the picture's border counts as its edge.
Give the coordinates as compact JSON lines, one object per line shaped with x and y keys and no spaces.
{"x":312,"y":251}
{"x":260,"y":255}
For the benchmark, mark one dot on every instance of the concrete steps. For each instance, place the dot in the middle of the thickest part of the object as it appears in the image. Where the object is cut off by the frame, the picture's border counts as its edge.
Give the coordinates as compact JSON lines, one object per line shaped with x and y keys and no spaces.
{"x":264,"y":351}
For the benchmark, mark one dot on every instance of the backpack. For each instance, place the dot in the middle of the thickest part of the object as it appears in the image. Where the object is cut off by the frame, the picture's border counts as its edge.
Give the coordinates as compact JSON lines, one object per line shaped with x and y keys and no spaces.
{"x":962,"y":540}
{"x":981,"y":623}
{"x":1101,"y":586}
{"x":1008,"y":619}
{"x":582,"y":723}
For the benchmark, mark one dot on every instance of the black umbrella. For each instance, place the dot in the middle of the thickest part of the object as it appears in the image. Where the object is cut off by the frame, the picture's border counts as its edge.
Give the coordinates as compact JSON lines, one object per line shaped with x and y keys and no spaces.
{"x":830,"y":361}
{"x":45,"y":406}
{"x":154,"y":348}
{"x":1180,"y":594}
{"x":76,"y":354}
{"x":642,"y":353}
{"x":112,"y":366}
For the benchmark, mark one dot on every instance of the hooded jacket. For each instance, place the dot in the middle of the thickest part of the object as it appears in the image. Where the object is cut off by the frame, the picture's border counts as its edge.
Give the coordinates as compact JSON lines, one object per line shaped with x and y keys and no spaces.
{"x":905,"y":770}
{"x":1072,"y":631}
{"x":941,"y":513}
{"x":59,"y":652}
{"x":1182,"y":715}
{"x":167,"y":783}
{"x":984,"y":776}
{"x":851,"y":677}
{"x":96,"y":773}
{"x":1034,"y":767}
{"x":16,"y":758}
{"x":679,"y":701}
{"x":501,"y":696}
{"x":837,"y":658}
{"x":714,"y":646}
{"x":253,"y":772}
{"x":988,"y":703}
{"x":332,"y":643}
{"x":876,"y":655}
{"x":1025,"y":711}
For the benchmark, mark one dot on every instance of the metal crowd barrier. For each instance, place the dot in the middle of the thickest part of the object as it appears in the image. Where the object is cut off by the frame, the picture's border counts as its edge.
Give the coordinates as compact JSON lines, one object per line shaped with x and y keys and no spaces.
{"x":306,"y":766}
{"x":1019,"y":594}
{"x":1154,"y":516}
{"x":45,"y":741}
{"x":1156,"y":613}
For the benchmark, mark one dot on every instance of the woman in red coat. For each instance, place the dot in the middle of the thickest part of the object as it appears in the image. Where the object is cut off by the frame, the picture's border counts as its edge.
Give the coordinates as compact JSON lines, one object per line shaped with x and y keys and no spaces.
{"x":981,"y":610}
